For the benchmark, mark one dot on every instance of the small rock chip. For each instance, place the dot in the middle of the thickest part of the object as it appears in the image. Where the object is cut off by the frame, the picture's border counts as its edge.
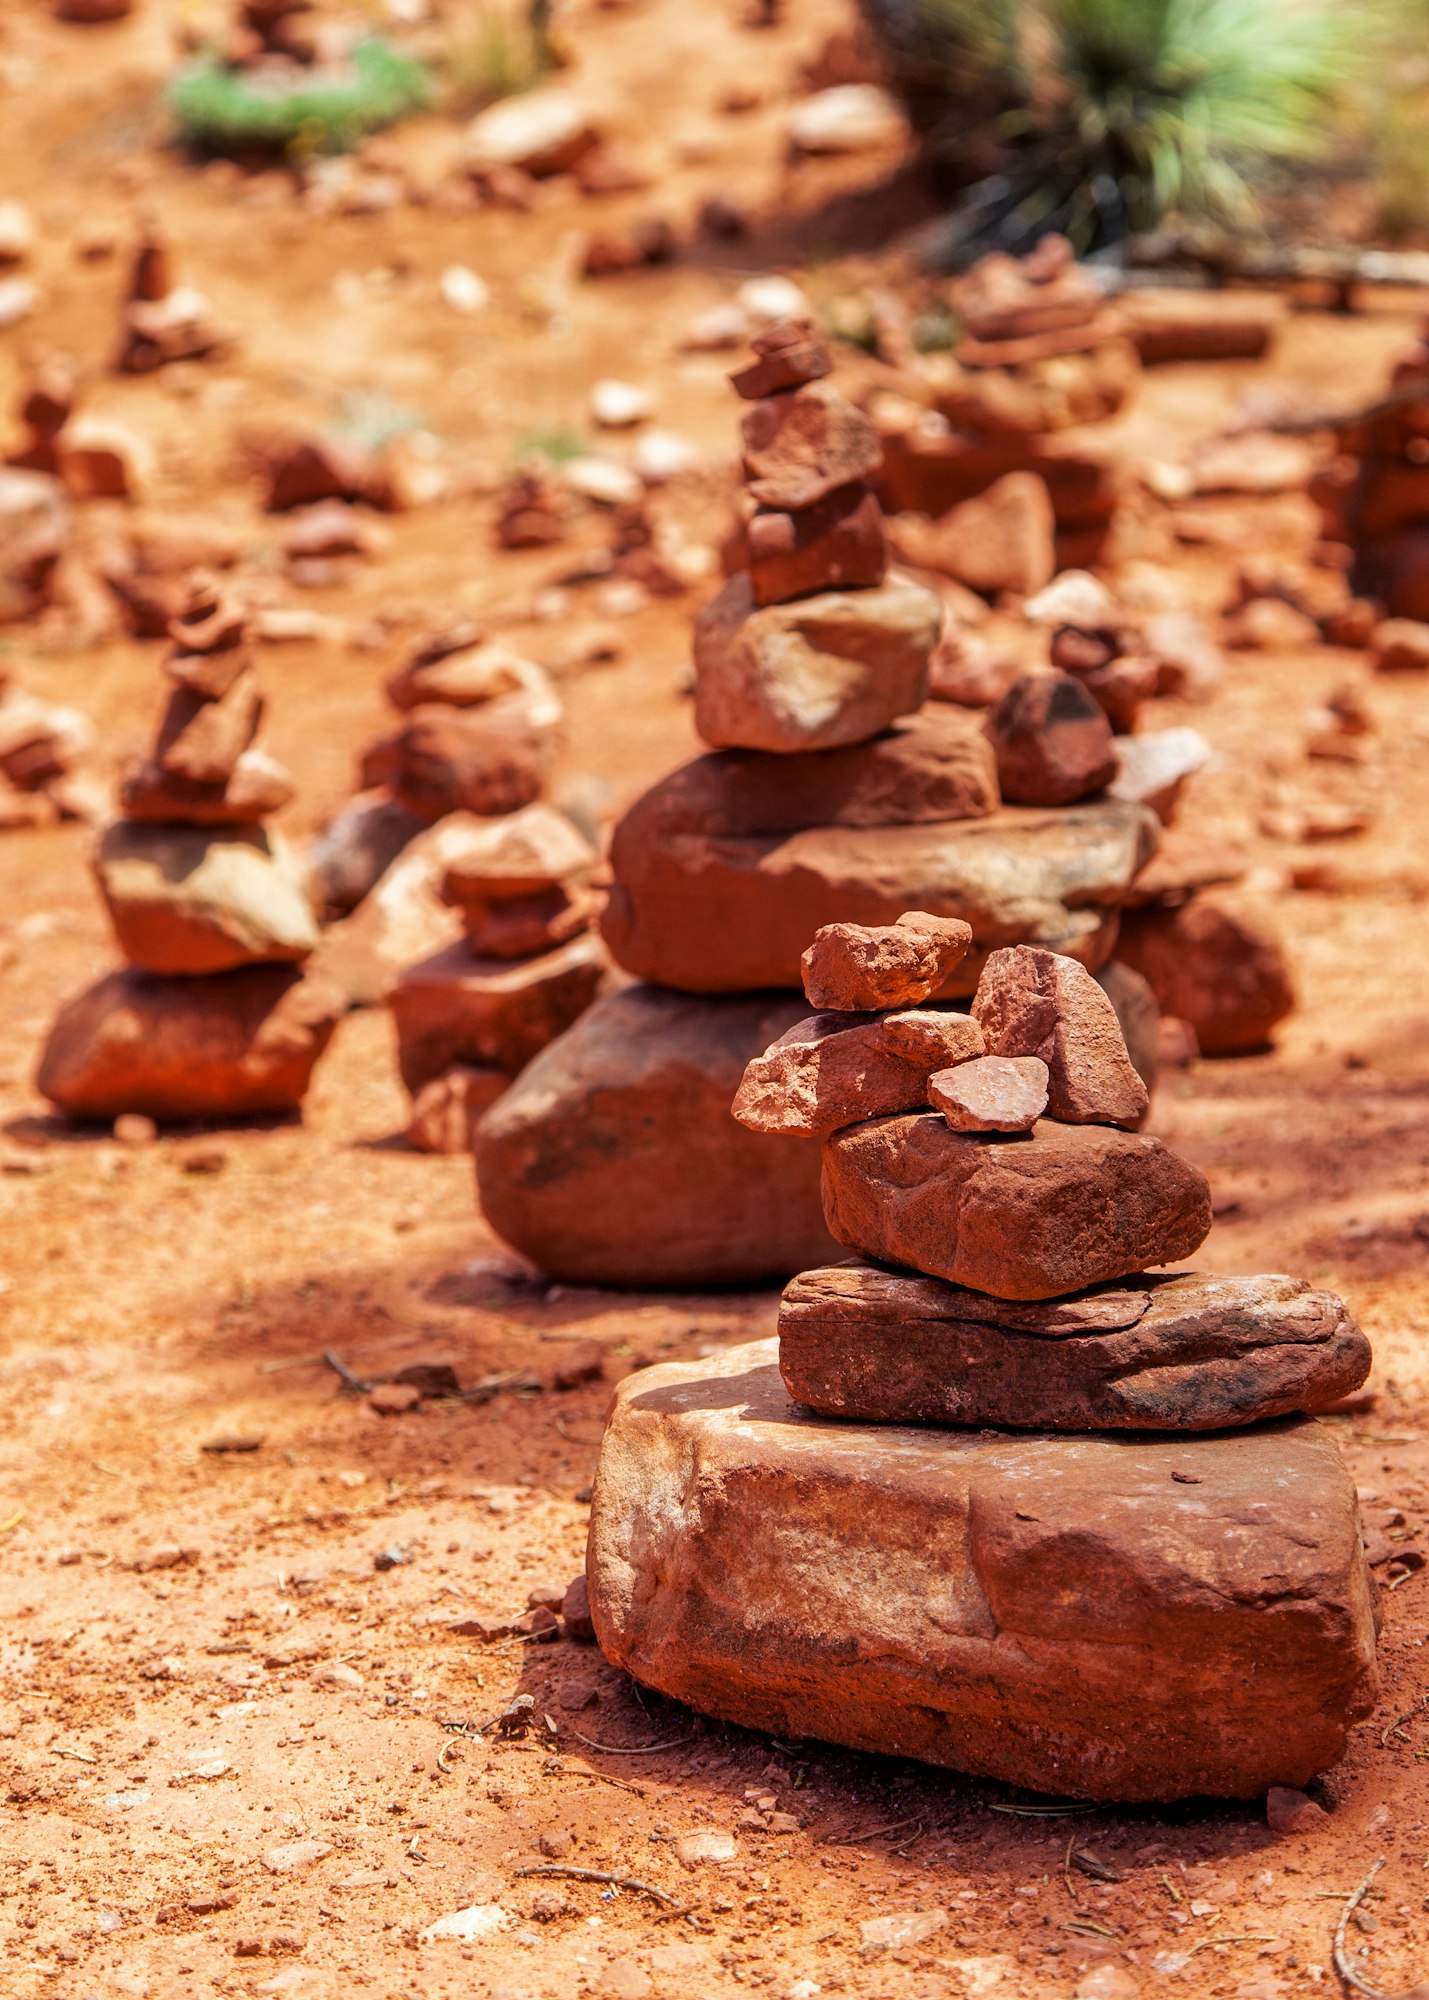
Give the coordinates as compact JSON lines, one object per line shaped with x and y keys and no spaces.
{"x":790,"y":355}
{"x":575,"y":1611}
{"x":556,"y":1843}
{"x":1031,"y":1002}
{"x":132,"y":1128}
{"x":1052,"y":742}
{"x":234,"y":1441}
{"x":911,"y":1927}
{"x":992,"y":1093}
{"x":853,"y":967}
{"x":1290,"y":1811}
{"x":708,"y":1845}
{"x":394,"y":1399}
{"x":392,"y":1558}
{"x":295,"y":1854}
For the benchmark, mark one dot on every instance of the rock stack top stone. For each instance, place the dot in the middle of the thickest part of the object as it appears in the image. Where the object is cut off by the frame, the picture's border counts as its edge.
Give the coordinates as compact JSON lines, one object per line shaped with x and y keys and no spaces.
{"x":1052,"y":742}
{"x":811,"y":646}
{"x":1037,"y":1003}
{"x":854,"y":967}
{"x":991,"y":1094}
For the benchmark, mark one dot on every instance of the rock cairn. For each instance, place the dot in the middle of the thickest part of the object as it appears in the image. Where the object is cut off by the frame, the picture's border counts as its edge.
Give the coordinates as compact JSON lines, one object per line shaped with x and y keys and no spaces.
{"x":1134,"y":1571}
{"x":1374,"y":494}
{"x":833,"y":790}
{"x":214,"y":1016}
{"x":164,"y":322}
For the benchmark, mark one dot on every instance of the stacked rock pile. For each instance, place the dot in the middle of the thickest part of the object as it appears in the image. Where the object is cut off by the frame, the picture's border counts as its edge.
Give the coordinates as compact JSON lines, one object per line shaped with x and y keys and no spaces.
{"x":1133,"y":1571}
{"x":214,"y":1017}
{"x":471,"y":1017}
{"x":833,"y":791}
{"x":1374,"y":495}
{"x":164,"y":322}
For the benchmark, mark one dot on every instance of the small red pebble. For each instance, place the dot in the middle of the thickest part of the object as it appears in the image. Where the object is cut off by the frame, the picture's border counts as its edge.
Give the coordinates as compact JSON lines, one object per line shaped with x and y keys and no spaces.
{"x":394,"y":1399}
{"x":1289,"y":1811}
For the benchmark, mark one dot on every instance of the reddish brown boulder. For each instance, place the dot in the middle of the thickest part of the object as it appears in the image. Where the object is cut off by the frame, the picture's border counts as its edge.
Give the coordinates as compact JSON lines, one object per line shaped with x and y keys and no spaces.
{"x":1040,"y":1003}
{"x":1055,"y":1612}
{"x":487,"y":760}
{"x":1217,"y":963}
{"x":856,"y":967}
{"x":715,"y":913}
{"x":802,"y":446}
{"x":489,"y":1013}
{"x":790,"y":354}
{"x":238,"y":1045}
{"x":1054,"y":1210}
{"x":197,"y":900}
{"x":1052,"y":742}
{"x":827,"y":670}
{"x":837,"y":544}
{"x":1002,"y":540}
{"x":1400,"y":645}
{"x":1194,"y":1353}
{"x":991,"y":1094}
{"x":1180,"y":325}
{"x":835,"y":1069}
{"x":614,"y":1158}
{"x":522,"y":888}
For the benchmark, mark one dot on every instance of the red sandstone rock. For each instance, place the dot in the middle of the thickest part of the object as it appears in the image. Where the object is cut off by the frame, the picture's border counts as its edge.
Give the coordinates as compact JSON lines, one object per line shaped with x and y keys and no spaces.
{"x":835,"y":1069}
{"x":305,"y":471}
{"x":1401,"y":644}
{"x":1215,"y":962}
{"x":201,"y":740}
{"x":34,"y":529}
{"x":837,"y":544}
{"x":465,"y":677}
{"x":1002,"y":540}
{"x":256,"y":787}
{"x":486,"y":760}
{"x":1054,"y":1612}
{"x":802,"y":446}
{"x":190,"y":900}
{"x":239,"y":1045}
{"x":710,"y":912}
{"x":826,"y":671}
{"x":855,"y":967}
{"x":1052,"y":742}
{"x":1039,"y":1003}
{"x":1031,"y":1217}
{"x":1178,"y":325}
{"x":991,"y":1094}
{"x":790,"y":354}
{"x":488,"y":1013}
{"x":1191,"y":1353}
{"x":1289,"y":1810}
{"x":614,"y":1159}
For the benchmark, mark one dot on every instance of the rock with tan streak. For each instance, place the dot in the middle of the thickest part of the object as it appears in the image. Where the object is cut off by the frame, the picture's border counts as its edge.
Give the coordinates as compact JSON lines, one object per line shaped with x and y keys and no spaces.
{"x":257,"y":786}
{"x":835,"y":1069}
{"x":523,"y":888}
{"x":857,"y":967}
{"x":1053,"y":1612}
{"x":189,"y":900}
{"x":992,"y":1094}
{"x":468,"y":677}
{"x":800,"y":447}
{"x":1185,"y":1353}
{"x":1041,"y":1003}
{"x":823,"y":671}
{"x":240,"y":1045}
{"x":1030,"y":1217}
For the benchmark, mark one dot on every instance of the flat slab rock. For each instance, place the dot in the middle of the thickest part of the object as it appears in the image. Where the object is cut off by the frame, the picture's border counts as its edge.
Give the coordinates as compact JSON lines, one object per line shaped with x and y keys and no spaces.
{"x":1027,"y":1217}
{"x":1055,"y":1612}
{"x":734,"y":913}
{"x":1189,"y":1353}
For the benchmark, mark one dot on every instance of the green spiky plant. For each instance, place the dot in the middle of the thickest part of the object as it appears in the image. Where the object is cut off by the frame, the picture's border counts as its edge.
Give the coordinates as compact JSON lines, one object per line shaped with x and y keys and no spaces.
{"x":297,"y":114}
{"x":1100,"y":118}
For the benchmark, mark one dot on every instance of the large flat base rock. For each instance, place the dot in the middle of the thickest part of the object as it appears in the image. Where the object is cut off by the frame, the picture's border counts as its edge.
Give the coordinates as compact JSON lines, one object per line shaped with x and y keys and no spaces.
{"x":1192,"y":1353}
{"x":1055,"y":1612}
{"x":1032,"y":1215}
{"x":732,"y":913}
{"x":239,"y":1045}
{"x":614,"y":1158}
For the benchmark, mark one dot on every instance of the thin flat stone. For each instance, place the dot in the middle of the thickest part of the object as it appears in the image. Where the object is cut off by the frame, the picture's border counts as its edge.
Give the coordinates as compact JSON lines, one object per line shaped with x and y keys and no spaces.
{"x":1187,"y":1353}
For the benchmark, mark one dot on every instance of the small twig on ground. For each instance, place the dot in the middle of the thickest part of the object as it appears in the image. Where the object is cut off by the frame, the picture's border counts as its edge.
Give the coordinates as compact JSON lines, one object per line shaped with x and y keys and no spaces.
{"x":632,"y":1882}
{"x":1041,"y":1812}
{"x":80,"y":1756}
{"x":604,"y":1778}
{"x":445,"y":1752}
{"x":872,"y":1833}
{"x":1400,"y":1720}
{"x":640,"y":1749}
{"x":344,"y":1374}
{"x":1347,"y":1973}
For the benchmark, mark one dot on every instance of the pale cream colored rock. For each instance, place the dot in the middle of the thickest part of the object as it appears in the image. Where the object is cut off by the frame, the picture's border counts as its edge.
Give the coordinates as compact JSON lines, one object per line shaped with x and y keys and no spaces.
{"x":191,"y":900}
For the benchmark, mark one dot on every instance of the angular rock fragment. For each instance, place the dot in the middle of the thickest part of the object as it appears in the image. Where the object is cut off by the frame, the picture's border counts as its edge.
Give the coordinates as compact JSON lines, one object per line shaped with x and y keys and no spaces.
{"x":1051,"y":1211}
{"x":991,"y":1094}
{"x":790,"y":354}
{"x":1192,"y":1353}
{"x":523,"y":888}
{"x":1215,"y":962}
{"x":487,"y":760}
{"x":835,"y":1069}
{"x":831,"y":669}
{"x":614,"y":1158}
{"x":856,"y":967}
{"x":1054,"y":1612}
{"x":837,"y":544}
{"x":1041,"y":1003}
{"x":186,"y":900}
{"x":1052,"y":742}
{"x":1003,"y":539}
{"x":798,"y":448}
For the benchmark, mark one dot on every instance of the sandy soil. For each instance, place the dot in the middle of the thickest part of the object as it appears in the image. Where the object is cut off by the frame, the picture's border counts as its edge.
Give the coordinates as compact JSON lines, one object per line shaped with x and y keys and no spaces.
{"x":206,"y":1654}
